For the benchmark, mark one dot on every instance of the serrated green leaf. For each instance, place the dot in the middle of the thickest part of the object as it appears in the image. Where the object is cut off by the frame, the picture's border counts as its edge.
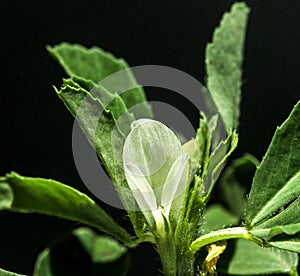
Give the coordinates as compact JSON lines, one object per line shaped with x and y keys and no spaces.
{"x":243,"y":257}
{"x":276,"y":182}
{"x":99,"y":133}
{"x":235,"y":182}
{"x":217,"y":217}
{"x":83,"y":252}
{"x":93,"y":65}
{"x":224,"y":58}
{"x":106,"y":102}
{"x":50,"y":197}
{"x":7,"y":273}
{"x":287,"y":242}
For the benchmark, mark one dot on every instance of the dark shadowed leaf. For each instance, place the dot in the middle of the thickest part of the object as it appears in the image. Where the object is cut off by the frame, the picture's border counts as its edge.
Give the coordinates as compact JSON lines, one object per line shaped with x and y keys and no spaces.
{"x":217,"y":217}
{"x":82,"y":253}
{"x":235,"y":182}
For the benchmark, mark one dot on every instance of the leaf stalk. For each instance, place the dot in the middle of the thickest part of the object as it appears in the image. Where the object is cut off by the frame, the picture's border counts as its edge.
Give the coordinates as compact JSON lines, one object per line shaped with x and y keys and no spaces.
{"x":224,"y":234}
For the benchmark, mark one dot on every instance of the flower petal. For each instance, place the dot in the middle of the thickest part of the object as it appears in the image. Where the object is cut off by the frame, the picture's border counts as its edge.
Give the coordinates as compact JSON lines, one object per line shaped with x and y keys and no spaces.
{"x":176,"y":183}
{"x":153,"y":148}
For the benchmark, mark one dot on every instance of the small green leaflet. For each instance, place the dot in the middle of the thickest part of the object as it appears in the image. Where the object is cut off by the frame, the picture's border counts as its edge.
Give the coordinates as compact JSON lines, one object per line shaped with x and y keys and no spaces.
{"x":224,"y":58}
{"x":191,"y":148}
{"x":287,"y":242}
{"x":203,"y":137}
{"x":50,"y":197}
{"x":83,"y":252}
{"x":243,"y":257}
{"x":104,"y":101}
{"x":217,"y":161}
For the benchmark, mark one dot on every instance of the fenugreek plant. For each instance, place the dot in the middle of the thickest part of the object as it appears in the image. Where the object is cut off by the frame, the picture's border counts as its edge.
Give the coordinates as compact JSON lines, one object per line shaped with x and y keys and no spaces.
{"x":164,"y":184}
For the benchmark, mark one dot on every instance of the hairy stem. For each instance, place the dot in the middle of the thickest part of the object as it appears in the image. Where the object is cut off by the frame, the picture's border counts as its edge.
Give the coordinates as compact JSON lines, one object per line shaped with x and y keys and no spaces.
{"x":185,"y":263}
{"x":167,"y":251}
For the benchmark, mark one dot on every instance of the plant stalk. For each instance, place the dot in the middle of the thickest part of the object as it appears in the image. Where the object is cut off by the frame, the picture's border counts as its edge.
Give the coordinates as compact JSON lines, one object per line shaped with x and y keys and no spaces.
{"x":167,"y":251}
{"x":224,"y":234}
{"x":185,"y":263}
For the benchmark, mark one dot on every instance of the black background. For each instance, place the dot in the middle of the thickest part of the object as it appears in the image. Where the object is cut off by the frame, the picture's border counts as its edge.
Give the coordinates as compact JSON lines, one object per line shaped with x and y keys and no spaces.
{"x":36,"y":127}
